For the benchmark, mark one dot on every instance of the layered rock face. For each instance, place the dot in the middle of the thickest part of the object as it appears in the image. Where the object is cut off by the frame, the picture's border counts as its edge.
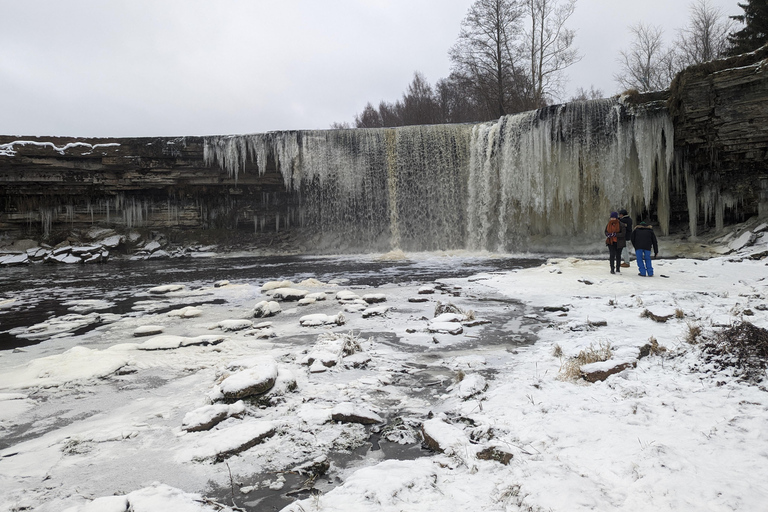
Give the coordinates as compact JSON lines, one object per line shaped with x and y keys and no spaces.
{"x":50,"y":184}
{"x":720,"y":113}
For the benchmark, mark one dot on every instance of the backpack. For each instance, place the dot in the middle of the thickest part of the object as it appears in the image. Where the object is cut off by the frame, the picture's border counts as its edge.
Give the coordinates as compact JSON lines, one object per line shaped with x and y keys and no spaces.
{"x":613,"y":229}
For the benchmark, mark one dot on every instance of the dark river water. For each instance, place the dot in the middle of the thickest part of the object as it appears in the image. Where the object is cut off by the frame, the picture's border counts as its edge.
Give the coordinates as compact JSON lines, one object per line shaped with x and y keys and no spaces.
{"x":35,"y":293}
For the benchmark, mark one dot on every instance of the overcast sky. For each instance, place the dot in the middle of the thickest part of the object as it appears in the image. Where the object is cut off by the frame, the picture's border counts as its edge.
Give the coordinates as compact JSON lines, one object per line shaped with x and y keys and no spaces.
{"x":97,"y":68}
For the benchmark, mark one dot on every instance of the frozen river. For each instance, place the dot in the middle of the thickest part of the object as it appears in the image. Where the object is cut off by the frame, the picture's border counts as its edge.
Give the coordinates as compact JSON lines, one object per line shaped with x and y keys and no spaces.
{"x":34,"y":293}
{"x":101,"y":393}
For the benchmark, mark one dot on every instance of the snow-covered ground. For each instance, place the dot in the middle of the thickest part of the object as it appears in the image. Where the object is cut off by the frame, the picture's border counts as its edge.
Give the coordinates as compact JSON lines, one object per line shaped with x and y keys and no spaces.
{"x":165,"y":411}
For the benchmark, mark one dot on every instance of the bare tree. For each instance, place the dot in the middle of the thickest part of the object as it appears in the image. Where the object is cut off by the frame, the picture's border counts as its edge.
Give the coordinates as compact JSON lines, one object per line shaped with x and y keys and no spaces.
{"x":647,"y":65}
{"x":584,"y":95}
{"x":486,"y":55}
{"x":706,"y":36}
{"x":340,"y":126}
{"x":456,"y":102}
{"x":419,"y":103}
{"x":368,"y":118}
{"x":549,"y":46}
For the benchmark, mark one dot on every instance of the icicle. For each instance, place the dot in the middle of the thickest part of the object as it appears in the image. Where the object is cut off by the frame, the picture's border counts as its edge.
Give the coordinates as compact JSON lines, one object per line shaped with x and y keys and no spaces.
{"x":554,"y":171}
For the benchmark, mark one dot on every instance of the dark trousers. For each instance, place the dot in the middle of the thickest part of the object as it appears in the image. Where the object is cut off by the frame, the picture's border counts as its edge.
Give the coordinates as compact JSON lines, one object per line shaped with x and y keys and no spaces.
{"x":614,"y":254}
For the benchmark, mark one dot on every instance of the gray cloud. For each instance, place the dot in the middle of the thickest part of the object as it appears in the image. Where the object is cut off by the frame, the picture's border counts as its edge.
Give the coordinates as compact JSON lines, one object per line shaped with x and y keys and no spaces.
{"x":194,"y":67}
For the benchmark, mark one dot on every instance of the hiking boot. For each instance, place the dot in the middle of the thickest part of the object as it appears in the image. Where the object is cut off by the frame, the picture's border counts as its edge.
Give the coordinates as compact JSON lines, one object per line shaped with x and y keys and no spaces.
{"x":625,"y":265}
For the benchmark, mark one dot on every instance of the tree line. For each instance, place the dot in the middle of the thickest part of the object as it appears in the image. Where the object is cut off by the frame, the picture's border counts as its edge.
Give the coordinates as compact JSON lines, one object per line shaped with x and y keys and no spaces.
{"x":511,"y":56}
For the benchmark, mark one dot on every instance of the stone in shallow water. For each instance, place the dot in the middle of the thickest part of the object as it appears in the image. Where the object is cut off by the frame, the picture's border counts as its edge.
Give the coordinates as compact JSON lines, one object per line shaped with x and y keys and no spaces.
{"x":148,"y":330}
{"x":288,"y":294}
{"x":256,"y":380}
{"x":266,"y":309}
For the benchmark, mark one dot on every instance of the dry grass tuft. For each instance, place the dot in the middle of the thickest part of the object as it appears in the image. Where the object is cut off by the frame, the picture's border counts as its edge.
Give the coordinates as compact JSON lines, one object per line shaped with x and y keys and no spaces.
{"x":571,"y":369}
{"x":557,"y":351}
{"x":693,"y":334}
{"x":679,"y":314}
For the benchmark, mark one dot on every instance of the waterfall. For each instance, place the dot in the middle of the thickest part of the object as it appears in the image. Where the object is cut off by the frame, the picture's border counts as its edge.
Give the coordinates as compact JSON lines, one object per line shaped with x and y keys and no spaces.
{"x":557,"y":171}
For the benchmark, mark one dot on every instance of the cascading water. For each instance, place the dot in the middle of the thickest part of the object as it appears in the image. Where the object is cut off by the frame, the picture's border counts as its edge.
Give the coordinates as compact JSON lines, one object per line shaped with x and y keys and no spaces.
{"x":554,"y":171}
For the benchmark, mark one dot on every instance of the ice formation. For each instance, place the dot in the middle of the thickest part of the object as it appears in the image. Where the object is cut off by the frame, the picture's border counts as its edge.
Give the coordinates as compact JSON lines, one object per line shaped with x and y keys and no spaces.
{"x":554,"y":171}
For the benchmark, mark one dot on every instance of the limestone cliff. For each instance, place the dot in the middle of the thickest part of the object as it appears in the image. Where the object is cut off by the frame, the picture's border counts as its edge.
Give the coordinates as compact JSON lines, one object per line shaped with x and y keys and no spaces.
{"x":720,"y":113}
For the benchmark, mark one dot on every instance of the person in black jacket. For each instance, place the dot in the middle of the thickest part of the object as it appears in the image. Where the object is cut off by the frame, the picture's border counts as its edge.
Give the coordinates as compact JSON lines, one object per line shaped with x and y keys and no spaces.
{"x":615,"y":233}
{"x":643,"y":240}
{"x":627,"y":220}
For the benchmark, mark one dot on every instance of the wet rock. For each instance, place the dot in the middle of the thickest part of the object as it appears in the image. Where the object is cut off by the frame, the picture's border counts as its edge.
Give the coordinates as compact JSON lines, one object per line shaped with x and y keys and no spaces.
{"x":418,"y":299}
{"x":348,"y":412}
{"x":374,"y":298}
{"x":426,"y":290}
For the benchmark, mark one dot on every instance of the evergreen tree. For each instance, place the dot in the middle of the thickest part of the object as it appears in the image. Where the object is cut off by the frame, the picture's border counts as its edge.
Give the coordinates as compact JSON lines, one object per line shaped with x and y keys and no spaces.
{"x":755,"y":31}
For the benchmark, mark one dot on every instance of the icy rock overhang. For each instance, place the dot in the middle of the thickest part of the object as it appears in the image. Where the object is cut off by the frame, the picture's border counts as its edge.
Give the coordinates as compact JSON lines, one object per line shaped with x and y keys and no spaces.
{"x":554,"y":171}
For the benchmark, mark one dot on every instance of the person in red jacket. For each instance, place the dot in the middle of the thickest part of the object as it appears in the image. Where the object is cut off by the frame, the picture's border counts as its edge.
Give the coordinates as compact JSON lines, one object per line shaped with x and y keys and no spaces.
{"x":615,"y":234}
{"x":643,"y":240}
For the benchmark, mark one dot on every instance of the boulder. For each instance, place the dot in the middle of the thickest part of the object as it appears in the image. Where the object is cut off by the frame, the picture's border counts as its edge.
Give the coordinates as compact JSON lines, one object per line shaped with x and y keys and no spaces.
{"x":253,"y":381}
{"x":266,"y":309}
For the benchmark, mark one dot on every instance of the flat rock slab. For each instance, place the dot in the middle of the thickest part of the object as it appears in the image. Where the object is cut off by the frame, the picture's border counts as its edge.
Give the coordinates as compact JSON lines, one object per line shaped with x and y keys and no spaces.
{"x":222,"y":444}
{"x":348,"y":412}
{"x":148,"y":330}
{"x":595,"y":372}
{"x":208,"y":416}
